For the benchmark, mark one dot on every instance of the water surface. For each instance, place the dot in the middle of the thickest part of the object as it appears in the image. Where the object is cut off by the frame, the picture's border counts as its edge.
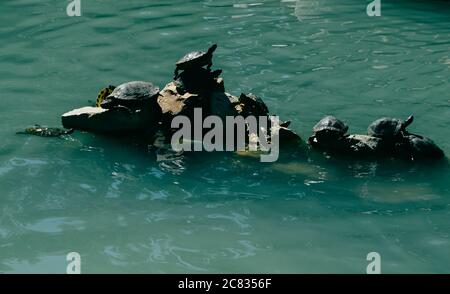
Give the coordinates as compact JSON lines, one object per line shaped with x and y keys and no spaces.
{"x":125,"y":211}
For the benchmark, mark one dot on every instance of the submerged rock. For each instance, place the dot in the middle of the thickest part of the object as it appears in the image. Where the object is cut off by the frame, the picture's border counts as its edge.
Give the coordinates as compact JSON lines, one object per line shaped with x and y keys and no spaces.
{"x":415,"y":147}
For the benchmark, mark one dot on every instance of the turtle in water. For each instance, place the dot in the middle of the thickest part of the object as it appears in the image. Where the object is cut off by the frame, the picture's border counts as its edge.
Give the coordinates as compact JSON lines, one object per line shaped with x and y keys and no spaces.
{"x":132,"y":96}
{"x":195,"y":59}
{"x":388,"y":129}
{"x":41,"y":131}
{"x":327,"y":131}
{"x":397,"y":141}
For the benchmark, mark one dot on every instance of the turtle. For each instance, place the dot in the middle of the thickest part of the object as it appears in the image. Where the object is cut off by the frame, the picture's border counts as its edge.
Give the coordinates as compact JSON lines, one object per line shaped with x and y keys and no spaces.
{"x":389,"y":129}
{"x":38,"y":130}
{"x":195,"y":59}
{"x":328,"y":130}
{"x":132,"y":95}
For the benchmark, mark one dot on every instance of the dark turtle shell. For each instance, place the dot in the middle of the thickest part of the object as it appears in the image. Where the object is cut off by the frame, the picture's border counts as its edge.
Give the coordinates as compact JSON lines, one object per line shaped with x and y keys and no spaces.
{"x":131,"y":94}
{"x":198,"y":58}
{"x":388,"y":128}
{"x":332,"y":125}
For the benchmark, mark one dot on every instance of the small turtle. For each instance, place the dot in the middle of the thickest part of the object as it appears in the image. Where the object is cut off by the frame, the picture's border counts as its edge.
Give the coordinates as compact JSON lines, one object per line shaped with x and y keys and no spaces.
{"x":195,"y":59}
{"x":390,"y":129}
{"x":40,"y":131}
{"x":328,"y":130}
{"x":131,"y":95}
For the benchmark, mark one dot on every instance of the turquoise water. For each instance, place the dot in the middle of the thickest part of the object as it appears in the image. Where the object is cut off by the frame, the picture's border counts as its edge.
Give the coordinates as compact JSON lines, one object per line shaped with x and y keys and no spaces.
{"x":126,"y":210}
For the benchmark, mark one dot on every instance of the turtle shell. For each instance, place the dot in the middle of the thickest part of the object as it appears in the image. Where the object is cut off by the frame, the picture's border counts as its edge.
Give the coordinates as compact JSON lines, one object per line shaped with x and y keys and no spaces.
{"x":134,"y":91}
{"x":196,"y":58}
{"x":386,"y":128}
{"x":331,"y":124}
{"x":131,"y":94}
{"x":191,"y":57}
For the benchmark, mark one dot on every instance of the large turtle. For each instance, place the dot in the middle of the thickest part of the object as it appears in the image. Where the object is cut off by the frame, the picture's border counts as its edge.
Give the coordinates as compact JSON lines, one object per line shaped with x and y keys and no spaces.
{"x":195,"y":59}
{"x":132,"y":95}
{"x":389,"y":129}
{"x":328,"y":130}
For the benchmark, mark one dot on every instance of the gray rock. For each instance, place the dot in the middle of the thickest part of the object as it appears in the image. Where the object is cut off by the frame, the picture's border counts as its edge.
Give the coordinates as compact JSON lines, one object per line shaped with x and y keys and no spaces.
{"x":116,"y":120}
{"x":173,"y":103}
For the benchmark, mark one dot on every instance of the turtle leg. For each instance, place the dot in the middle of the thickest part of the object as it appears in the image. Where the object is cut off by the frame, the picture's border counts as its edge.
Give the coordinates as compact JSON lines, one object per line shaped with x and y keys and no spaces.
{"x":175,"y":74}
{"x":209,"y":66}
{"x":105,"y":92}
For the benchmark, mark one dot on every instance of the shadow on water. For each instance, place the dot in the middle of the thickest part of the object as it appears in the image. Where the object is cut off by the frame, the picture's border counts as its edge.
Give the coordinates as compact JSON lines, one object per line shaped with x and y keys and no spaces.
{"x":362,"y":178}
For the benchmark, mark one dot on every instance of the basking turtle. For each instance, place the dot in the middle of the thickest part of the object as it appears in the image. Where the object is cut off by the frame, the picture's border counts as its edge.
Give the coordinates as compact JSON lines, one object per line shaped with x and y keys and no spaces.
{"x":195,"y":59}
{"x":40,"y":131}
{"x":328,"y":130}
{"x":390,"y":129}
{"x":131,"y":95}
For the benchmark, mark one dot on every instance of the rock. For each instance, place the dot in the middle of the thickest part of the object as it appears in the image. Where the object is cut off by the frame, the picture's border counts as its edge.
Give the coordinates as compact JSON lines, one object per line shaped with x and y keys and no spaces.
{"x":99,"y":120}
{"x":360,"y":145}
{"x":199,"y":81}
{"x":220,"y":85}
{"x":253,"y":105}
{"x":418,"y":148}
{"x":173,"y":103}
{"x":224,"y":104}
{"x":286,"y":135}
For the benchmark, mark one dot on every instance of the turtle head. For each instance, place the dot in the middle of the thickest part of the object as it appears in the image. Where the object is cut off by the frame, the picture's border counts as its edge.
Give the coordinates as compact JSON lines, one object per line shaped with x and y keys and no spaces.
{"x":108,"y":102}
{"x":212,"y":49}
{"x":405,"y":124}
{"x":408,"y":121}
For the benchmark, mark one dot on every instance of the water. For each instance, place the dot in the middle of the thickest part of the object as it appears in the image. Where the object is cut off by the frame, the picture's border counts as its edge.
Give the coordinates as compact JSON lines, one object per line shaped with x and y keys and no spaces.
{"x":124,"y":211}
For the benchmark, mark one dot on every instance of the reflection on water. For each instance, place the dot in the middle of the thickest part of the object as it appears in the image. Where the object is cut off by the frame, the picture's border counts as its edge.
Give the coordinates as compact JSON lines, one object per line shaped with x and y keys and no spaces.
{"x":128,"y":207}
